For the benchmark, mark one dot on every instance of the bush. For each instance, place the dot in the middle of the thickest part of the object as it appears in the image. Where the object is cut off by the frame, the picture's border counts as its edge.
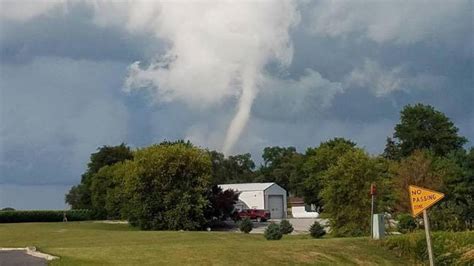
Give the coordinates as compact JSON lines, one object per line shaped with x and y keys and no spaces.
{"x":286,"y":227}
{"x":273,"y":232}
{"x":44,"y":216}
{"x":449,"y":248}
{"x":316,"y":230}
{"x":406,"y":223}
{"x":245,"y":225}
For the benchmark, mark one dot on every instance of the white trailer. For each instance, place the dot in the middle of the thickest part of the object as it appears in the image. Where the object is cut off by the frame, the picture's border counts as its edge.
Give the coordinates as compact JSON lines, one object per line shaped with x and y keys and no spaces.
{"x":265,"y":196}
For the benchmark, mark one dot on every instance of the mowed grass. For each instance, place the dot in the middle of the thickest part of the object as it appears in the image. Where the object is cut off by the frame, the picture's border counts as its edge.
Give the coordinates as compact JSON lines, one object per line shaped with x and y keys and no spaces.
{"x":88,"y":243}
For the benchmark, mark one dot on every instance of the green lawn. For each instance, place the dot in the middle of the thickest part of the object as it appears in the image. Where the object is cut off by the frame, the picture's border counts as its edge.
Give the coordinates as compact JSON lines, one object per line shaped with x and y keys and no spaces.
{"x":100,"y":244}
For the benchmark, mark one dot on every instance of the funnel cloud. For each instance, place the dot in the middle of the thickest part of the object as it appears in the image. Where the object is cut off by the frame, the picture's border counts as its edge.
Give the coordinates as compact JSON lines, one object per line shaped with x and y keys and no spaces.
{"x":217,"y":51}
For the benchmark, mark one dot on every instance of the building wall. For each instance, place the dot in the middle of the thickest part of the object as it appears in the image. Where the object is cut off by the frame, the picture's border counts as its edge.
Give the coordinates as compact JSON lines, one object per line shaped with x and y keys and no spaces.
{"x":276,"y":190}
{"x":253,"y":199}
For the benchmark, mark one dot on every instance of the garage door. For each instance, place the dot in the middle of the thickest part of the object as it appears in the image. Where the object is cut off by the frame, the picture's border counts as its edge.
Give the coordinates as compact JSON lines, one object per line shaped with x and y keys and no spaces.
{"x":275,"y":205}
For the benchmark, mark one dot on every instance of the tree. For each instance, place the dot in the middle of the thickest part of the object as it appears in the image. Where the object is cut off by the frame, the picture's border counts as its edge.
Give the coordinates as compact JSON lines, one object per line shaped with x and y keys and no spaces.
{"x":219,"y":171}
{"x":240,"y":168}
{"x":234,"y":169}
{"x":317,"y":230}
{"x":282,"y":165}
{"x":79,"y":197}
{"x":179,"y":141}
{"x":345,"y":193}
{"x":318,"y":161}
{"x":102,"y":181}
{"x":273,"y":232}
{"x":451,"y":175}
{"x":423,"y":127}
{"x":116,"y":196}
{"x":274,"y":155}
{"x":221,"y":203}
{"x":167,"y":188}
{"x":107,"y":195}
{"x":464,"y":187}
{"x":406,"y":223}
{"x":417,"y":169}
{"x":456,"y":211}
{"x":108,"y":155}
{"x":286,"y":227}
{"x":392,"y":150}
{"x":245,"y":225}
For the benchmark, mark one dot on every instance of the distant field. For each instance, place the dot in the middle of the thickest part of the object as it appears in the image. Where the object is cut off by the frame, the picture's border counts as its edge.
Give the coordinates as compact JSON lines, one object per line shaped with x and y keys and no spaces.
{"x":79,"y":243}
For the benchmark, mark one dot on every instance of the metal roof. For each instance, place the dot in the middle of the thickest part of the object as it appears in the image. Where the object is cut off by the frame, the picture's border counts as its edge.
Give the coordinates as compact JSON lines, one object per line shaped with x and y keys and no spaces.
{"x":247,"y":186}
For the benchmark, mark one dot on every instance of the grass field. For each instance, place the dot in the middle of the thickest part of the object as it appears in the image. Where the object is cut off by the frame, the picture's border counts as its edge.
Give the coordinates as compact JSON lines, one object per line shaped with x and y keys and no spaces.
{"x":78,"y":243}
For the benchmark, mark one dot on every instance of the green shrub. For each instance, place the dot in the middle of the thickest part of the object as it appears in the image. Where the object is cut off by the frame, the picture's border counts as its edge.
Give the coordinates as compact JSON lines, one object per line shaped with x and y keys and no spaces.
{"x":44,"y":216}
{"x":245,"y":225}
{"x":316,"y":230}
{"x":286,"y":227}
{"x":273,"y":232}
{"x":450,"y":215}
{"x":406,"y":223}
{"x":449,"y":248}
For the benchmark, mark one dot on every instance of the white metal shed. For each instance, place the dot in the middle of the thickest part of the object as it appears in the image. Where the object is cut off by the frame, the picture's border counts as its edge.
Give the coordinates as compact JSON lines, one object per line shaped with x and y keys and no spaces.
{"x":267,"y":196}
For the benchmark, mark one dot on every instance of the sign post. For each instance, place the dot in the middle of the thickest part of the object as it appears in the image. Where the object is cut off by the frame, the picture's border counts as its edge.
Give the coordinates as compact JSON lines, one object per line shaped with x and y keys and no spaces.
{"x":373,"y":191}
{"x":421,"y":199}
{"x":428,"y":237}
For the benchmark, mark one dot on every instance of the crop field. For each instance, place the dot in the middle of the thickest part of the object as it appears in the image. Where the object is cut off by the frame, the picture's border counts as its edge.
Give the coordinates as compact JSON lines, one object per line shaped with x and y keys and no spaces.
{"x":90,"y":243}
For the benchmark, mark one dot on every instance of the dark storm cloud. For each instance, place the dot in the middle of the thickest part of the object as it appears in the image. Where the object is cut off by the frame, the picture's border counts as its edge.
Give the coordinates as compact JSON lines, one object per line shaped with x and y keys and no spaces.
{"x":54,"y":113}
{"x":433,"y":65}
{"x":71,"y":35}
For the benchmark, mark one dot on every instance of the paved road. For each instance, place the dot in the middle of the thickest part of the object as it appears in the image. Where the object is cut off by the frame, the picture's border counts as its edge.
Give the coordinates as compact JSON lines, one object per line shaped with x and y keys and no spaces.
{"x":19,"y":258}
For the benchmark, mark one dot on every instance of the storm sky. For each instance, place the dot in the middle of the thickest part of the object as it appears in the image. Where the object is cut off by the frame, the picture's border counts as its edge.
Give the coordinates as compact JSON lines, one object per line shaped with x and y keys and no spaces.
{"x":227,"y":75}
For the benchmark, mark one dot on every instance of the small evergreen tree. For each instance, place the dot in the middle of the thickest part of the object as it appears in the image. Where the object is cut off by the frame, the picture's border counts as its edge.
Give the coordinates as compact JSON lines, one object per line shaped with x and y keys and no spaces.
{"x":316,"y":230}
{"x":245,"y":225}
{"x":273,"y":232}
{"x":286,"y":227}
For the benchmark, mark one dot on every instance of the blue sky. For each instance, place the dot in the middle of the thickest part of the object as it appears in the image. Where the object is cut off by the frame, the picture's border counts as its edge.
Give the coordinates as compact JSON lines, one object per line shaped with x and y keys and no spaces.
{"x":75,"y":75}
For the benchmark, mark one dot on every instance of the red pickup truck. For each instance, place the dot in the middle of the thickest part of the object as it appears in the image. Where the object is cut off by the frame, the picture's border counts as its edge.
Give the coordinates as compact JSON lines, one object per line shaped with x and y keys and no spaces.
{"x":253,"y":214}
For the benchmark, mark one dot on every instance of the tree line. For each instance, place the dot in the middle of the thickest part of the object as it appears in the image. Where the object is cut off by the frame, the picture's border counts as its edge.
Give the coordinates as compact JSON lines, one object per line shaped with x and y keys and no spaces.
{"x":172,"y":185}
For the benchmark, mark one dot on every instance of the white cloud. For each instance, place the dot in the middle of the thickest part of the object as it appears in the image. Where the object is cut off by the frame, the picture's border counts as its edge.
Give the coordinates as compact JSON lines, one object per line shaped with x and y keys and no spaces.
{"x":402,"y":22}
{"x":292,"y":98}
{"x":382,"y":80}
{"x":211,"y":48}
{"x":372,"y":75}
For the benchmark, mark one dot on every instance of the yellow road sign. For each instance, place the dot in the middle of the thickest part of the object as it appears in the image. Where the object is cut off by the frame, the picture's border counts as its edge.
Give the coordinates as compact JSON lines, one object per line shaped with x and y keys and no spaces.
{"x":422,"y":198}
